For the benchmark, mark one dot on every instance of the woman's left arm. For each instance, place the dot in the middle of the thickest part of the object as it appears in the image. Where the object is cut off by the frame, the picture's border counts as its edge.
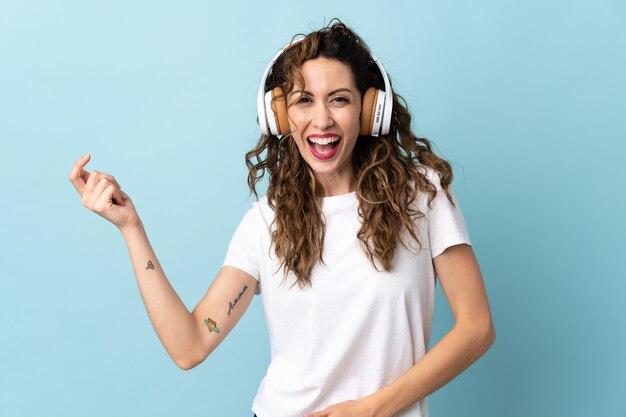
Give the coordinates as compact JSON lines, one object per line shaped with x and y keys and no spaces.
{"x":473,"y":333}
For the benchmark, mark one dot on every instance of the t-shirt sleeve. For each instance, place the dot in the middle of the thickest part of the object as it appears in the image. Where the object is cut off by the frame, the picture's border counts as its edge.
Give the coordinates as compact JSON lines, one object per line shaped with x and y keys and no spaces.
{"x":243,"y":249}
{"x":446,"y":225}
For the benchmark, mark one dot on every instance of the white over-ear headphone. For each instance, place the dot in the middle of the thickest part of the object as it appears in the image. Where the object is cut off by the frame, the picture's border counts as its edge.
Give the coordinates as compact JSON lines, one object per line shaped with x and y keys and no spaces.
{"x":375,"y":111}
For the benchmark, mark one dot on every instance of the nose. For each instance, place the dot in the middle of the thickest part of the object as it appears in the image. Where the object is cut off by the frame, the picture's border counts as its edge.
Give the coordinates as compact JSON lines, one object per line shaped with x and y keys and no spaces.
{"x":322,"y":117}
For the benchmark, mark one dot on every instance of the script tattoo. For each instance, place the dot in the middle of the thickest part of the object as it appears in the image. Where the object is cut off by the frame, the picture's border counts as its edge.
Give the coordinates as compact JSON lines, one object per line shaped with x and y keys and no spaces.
{"x":150,"y":265}
{"x":232,"y":304}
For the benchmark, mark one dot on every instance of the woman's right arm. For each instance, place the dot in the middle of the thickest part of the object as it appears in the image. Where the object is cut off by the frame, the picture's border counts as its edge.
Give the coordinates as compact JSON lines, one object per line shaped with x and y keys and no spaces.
{"x":188,"y":337}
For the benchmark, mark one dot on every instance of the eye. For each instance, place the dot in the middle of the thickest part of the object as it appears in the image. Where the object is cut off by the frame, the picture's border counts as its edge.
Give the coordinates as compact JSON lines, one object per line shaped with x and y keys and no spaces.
{"x":303,"y":100}
{"x":341,"y":99}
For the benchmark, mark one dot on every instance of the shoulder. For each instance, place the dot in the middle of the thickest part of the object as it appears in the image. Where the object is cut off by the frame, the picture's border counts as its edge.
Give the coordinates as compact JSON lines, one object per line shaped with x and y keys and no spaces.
{"x":431,"y":175}
{"x":256,"y":222}
{"x":262,"y":204}
{"x":429,"y":183}
{"x":261,"y":211}
{"x":431,"y":191}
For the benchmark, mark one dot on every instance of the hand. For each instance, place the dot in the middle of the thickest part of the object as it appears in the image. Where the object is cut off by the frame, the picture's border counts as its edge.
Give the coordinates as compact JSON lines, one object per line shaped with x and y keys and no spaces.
{"x":352,"y":408}
{"x":103,"y":195}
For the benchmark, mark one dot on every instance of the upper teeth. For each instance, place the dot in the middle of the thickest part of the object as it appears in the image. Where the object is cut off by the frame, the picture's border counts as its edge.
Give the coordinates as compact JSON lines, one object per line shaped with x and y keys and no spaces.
{"x":324,"y":141}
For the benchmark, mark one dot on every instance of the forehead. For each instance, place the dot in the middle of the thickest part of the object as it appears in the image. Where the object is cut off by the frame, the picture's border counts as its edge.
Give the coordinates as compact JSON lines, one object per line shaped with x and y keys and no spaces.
{"x":326,"y":74}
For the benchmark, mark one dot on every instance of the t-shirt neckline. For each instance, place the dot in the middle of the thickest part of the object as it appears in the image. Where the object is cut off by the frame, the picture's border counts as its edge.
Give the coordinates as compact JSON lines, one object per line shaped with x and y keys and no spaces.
{"x":338,"y":202}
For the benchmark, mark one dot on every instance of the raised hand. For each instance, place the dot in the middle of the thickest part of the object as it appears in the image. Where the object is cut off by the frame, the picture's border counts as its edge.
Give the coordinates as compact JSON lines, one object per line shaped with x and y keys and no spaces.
{"x":103,"y":195}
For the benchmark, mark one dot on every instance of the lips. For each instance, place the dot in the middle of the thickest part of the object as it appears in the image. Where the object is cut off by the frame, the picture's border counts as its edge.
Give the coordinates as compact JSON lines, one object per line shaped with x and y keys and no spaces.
{"x":324,"y":146}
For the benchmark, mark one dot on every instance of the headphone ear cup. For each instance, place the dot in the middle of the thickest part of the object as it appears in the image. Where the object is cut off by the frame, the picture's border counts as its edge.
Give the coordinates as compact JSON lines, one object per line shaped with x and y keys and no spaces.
{"x":368,"y":107}
{"x":279,"y":110}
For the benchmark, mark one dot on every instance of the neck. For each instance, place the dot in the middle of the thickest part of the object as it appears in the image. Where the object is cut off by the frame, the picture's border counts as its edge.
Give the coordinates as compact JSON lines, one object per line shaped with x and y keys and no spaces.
{"x":333,"y":184}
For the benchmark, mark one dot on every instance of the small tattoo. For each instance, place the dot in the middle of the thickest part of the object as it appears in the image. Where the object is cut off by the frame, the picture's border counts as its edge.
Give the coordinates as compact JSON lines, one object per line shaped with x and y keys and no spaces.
{"x":211,"y":325}
{"x":150,"y":265}
{"x":232,"y":305}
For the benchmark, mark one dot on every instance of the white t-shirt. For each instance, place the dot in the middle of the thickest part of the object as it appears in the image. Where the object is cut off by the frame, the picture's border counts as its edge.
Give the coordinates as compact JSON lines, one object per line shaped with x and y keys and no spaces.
{"x":355,"y":329}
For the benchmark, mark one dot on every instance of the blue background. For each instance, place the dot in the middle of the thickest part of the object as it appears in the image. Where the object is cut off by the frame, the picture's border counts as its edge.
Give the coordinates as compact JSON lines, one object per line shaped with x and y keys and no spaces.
{"x":526,"y":99}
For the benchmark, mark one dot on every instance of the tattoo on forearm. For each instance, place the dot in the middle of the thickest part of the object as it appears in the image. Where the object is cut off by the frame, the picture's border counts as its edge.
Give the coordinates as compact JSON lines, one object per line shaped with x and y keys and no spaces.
{"x":150,"y":265}
{"x":212,"y":325}
{"x":232,"y":304}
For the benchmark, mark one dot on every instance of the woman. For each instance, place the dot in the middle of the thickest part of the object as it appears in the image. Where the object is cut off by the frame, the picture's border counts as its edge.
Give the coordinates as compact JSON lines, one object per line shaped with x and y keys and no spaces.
{"x":358,"y":220}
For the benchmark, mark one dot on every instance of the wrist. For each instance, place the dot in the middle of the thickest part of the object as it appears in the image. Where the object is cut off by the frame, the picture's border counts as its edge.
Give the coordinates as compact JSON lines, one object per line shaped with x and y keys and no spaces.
{"x":379,"y":403}
{"x":132,"y":228}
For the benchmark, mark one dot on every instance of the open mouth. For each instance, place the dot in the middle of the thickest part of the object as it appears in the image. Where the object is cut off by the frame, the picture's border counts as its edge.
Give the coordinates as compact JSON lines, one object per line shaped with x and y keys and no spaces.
{"x":324,"y":148}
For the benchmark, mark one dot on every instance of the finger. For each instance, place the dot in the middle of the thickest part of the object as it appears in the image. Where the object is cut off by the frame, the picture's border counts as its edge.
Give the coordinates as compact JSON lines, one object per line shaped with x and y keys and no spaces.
{"x":110,"y":177}
{"x":317,"y":414}
{"x":105,"y":199}
{"x":116,"y":197}
{"x":92,"y":181}
{"x":94,"y":195}
{"x":78,"y":176}
{"x":90,"y":184}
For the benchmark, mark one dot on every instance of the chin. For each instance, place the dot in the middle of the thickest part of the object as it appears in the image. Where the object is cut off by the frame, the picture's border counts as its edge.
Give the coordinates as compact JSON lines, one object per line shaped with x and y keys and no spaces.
{"x":328,"y":168}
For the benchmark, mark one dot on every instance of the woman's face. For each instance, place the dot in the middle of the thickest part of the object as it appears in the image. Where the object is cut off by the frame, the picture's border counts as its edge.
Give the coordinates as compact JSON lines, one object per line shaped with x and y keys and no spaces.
{"x":324,"y":121}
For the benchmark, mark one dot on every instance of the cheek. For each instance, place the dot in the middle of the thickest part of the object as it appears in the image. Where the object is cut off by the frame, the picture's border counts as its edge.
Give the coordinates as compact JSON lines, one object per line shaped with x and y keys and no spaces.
{"x":297,"y":138}
{"x":353,"y":122}
{"x":295,"y":122}
{"x":301,"y":146}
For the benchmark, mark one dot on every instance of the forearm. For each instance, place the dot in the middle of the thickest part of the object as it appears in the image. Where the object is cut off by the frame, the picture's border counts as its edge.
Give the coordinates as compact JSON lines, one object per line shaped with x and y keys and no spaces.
{"x":175,"y":325}
{"x":456,"y":351}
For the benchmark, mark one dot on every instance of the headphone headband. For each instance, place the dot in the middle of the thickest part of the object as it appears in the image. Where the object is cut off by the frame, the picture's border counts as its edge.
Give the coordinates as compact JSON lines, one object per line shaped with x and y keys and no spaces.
{"x":260,"y":101}
{"x":388,"y":97}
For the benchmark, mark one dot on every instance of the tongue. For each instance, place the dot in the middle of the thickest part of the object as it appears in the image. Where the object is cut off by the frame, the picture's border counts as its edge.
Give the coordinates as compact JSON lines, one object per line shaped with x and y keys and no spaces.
{"x":323,"y":148}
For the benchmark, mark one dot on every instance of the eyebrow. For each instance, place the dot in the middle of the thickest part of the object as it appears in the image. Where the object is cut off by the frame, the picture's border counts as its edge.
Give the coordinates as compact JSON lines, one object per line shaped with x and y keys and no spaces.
{"x":329,"y":94}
